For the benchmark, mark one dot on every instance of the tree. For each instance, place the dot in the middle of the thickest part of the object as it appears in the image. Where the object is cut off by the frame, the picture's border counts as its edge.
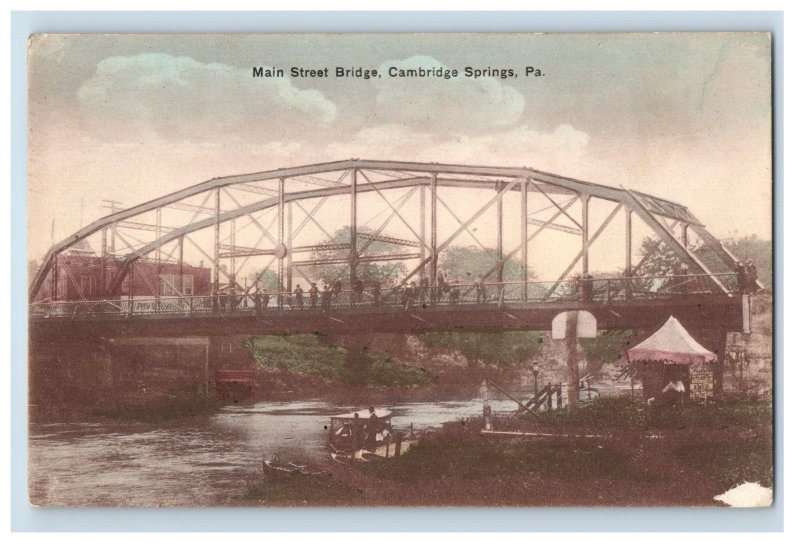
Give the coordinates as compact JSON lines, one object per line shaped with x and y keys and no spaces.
{"x":467,"y":264}
{"x":384,"y":273}
{"x":268,"y":279}
{"x":499,"y":348}
{"x":606,"y":348}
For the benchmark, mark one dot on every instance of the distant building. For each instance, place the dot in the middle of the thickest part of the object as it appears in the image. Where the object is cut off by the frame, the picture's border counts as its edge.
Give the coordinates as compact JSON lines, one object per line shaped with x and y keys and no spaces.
{"x":80,"y":277}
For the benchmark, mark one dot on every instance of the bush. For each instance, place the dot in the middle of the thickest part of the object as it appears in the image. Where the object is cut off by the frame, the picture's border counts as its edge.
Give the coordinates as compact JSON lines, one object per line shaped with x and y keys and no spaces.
{"x":622,"y":413}
{"x":307,"y":354}
{"x":471,"y":457}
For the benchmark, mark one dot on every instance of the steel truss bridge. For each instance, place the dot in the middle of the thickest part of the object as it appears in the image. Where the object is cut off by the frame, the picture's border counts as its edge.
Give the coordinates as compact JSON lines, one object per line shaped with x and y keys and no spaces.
{"x":342,"y":217}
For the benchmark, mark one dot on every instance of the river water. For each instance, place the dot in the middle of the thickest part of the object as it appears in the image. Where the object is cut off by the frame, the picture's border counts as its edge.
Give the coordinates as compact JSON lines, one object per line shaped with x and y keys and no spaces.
{"x":202,"y":461}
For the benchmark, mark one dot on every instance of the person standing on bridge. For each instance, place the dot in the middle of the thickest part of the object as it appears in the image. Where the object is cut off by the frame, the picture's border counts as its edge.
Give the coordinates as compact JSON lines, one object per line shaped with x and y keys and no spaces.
{"x":480,"y":292}
{"x":376,"y":293}
{"x":257,"y":301}
{"x":751,"y":275}
{"x":298,"y":297}
{"x":358,"y":290}
{"x":424,"y":285}
{"x":326,"y":297}
{"x":313,"y":295}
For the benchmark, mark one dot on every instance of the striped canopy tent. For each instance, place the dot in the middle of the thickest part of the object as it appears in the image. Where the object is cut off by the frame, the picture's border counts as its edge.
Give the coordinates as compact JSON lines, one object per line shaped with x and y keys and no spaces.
{"x":671,"y":344}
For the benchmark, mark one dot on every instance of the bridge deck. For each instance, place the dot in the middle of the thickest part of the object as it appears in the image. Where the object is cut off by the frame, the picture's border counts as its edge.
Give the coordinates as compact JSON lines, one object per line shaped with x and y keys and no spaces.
{"x":695,"y":311}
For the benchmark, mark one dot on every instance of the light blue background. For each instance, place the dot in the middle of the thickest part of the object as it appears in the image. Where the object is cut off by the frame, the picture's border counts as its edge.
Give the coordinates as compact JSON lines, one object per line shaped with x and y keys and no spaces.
{"x":26,"y":518}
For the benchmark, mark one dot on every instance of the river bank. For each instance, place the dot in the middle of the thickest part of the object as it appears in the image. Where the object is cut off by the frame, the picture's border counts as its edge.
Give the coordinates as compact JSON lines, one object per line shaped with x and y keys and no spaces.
{"x":639,"y":457}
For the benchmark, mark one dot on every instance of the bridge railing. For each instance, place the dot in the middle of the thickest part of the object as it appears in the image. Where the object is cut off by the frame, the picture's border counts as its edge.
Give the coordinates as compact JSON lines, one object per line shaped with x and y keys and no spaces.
{"x":478,"y":294}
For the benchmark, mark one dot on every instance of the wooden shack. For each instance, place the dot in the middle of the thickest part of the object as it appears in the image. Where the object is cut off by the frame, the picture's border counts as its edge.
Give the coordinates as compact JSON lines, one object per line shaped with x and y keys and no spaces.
{"x":671,"y":354}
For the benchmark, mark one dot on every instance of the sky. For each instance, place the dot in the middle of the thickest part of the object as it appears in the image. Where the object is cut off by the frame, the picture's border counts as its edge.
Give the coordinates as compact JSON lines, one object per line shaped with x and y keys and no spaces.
{"x":132,"y":117}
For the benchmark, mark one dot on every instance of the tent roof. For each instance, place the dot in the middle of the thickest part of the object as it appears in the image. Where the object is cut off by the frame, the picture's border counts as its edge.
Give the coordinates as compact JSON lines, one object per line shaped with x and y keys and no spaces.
{"x":671,"y":343}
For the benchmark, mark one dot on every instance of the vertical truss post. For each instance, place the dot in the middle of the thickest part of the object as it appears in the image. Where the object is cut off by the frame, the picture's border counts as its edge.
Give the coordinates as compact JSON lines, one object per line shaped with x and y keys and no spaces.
{"x":353,"y":226}
{"x":158,"y":254}
{"x":499,"y":235}
{"x":112,"y":242}
{"x":685,"y":234}
{"x":180,"y":264}
{"x":523,"y":217}
{"x":103,"y":248}
{"x":129,"y":275}
{"x":585,"y":233}
{"x":434,"y":247}
{"x":628,"y":241}
{"x":281,"y":242}
{"x":215,"y":289}
{"x":421,"y":232}
{"x":54,"y":279}
{"x":232,"y":276}
{"x":158,"y":236}
{"x":289,"y":240}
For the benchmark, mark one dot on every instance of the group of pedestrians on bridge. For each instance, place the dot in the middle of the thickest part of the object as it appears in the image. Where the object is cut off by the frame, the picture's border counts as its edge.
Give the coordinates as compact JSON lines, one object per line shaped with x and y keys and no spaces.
{"x":747,"y":277}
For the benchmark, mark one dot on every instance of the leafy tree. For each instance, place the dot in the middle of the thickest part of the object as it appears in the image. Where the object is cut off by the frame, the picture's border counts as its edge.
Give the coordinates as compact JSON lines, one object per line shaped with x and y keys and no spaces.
{"x":659,"y":258}
{"x":606,"y":348}
{"x":467,"y":264}
{"x":268,"y":279}
{"x":384,"y":273}
{"x":499,"y":348}
{"x":315,"y":355}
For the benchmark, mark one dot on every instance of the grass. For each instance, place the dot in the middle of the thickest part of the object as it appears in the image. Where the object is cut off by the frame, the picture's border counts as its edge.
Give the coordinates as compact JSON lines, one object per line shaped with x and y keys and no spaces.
{"x":470,"y":457}
{"x":307,"y":354}
{"x":301,"y":489}
{"x":178,"y":404}
{"x":731,"y":463}
{"x":624,"y":414}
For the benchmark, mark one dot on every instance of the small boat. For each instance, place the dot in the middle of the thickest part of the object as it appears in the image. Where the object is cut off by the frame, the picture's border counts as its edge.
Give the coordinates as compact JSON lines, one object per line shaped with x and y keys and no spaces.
{"x":272,"y":469}
{"x":348,"y":438}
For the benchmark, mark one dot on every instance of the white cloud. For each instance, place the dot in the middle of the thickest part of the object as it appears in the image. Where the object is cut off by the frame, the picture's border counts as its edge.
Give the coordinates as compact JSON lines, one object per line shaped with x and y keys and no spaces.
{"x":445,"y":105}
{"x":182,"y":99}
{"x":559,"y":150}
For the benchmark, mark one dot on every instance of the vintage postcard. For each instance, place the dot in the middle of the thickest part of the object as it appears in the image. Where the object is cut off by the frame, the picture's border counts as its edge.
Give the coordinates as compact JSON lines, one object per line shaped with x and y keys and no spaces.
{"x":400,"y":270}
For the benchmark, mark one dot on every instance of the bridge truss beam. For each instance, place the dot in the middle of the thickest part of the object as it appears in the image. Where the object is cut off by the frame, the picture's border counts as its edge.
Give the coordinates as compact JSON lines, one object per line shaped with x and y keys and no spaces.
{"x":284,"y":189}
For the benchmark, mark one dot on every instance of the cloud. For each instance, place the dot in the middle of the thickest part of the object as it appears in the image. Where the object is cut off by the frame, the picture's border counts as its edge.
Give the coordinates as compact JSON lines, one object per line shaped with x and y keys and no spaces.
{"x":182,"y":99}
{"x":558,"y":151}
{"x":444,"y":105}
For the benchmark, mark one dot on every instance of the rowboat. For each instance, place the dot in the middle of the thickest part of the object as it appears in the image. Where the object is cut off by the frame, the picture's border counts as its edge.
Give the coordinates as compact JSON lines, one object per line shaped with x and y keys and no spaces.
{"x":272,"y":469}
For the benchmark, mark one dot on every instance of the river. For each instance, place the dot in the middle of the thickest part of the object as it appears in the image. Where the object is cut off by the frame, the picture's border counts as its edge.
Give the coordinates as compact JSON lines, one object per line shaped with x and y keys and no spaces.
{"x":202,"y":461}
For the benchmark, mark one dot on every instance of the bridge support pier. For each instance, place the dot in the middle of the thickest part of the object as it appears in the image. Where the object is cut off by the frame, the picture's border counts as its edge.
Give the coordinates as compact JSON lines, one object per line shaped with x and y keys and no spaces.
{"x":715,"y":340}
{"x":573,"y":375}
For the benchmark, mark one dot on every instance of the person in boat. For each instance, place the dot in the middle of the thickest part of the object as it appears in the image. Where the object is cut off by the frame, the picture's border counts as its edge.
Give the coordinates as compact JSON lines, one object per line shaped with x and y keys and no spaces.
{"x":374,"y":427}
{"x":358,"y":433}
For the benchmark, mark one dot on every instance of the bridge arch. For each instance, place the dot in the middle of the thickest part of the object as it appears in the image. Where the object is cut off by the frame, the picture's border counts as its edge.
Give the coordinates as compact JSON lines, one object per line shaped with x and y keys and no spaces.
{"x":279,"y":192}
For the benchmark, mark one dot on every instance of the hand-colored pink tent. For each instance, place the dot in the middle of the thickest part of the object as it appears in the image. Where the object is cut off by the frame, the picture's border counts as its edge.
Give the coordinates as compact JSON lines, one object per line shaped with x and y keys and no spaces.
{"x":671,"y":344}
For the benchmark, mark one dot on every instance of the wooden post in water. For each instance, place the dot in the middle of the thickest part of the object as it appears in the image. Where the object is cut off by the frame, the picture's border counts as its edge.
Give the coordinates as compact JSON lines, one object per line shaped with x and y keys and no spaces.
{"x":205,"y":367}
{"x":398,"y":446}
{"x":487,"y":409}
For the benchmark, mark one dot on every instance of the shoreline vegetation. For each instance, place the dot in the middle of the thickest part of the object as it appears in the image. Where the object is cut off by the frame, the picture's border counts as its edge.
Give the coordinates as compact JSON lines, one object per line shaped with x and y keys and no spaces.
{"x":642,"y":456}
